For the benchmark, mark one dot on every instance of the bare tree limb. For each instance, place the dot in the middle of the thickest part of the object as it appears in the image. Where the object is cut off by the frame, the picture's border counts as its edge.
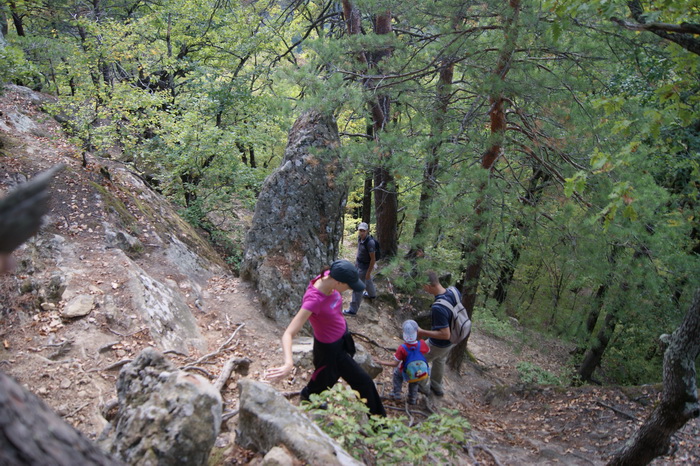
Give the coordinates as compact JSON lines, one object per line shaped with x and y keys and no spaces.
{"x":238,"y":364}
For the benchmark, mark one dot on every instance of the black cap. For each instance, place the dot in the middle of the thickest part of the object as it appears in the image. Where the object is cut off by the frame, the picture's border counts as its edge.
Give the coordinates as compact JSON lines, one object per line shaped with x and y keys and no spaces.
{"x":345,"y":272}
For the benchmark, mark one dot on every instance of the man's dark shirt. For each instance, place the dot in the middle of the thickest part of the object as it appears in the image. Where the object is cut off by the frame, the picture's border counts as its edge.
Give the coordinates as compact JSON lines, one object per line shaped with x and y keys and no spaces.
{"x":442,"y":317}
{"x":363,"y":250}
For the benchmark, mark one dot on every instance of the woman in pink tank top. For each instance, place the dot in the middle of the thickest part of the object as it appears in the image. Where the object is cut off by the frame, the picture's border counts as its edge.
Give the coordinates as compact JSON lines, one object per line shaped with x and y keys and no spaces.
{"x":322,"y":306}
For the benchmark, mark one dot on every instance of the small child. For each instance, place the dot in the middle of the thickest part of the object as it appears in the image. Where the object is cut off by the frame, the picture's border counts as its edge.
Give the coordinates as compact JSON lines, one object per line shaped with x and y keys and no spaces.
{"x":410,"y":332}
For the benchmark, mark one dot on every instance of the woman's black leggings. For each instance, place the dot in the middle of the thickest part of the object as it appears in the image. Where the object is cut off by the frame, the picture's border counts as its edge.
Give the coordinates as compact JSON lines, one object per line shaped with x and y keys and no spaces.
{"x":332,"y":362}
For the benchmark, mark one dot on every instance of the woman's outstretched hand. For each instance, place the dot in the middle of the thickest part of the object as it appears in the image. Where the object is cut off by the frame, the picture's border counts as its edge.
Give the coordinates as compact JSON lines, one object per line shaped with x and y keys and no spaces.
{"x":278,"y":373}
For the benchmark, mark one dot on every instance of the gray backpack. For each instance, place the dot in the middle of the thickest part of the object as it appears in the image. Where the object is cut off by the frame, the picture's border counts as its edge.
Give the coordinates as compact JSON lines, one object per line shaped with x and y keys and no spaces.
{"x":461,"y":325}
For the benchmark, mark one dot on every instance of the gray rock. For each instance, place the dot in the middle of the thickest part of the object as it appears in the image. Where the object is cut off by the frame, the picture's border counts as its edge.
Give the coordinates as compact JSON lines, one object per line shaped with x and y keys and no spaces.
{"x":302,"y":352}
{"x":165,"y":416}
{"x":79,"y":306}
{"x":277,"y":457}
{"x":122,"y":240}
{"x":169,"y":317}
{"x":298,"y":217}
{"x":364,"y":359}
{"x":267,"y":419}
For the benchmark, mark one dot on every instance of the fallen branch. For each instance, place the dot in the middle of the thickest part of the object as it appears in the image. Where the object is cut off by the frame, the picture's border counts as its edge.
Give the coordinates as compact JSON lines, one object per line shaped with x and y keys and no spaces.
{"x":75,"y":411}
{"x":413,"y":411}
{"x":372,"y":342}
{"x":128,"y":334}
{"x":200,"y":369}
{"x":215,"y":353}
{"x":238,"y":364}
{"x":618,"y":411}
{"x":114,"y":366}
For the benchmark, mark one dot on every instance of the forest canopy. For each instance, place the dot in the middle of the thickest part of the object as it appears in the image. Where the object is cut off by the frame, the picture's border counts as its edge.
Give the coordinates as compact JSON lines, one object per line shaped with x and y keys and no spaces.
{"x":546,"y":154}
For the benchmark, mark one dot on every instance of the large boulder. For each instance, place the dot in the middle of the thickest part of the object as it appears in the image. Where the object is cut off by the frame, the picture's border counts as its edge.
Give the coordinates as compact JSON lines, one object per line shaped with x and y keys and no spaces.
{"x":267,"y":420}
{"x":165,"y":416}
{"x":298,"y":217}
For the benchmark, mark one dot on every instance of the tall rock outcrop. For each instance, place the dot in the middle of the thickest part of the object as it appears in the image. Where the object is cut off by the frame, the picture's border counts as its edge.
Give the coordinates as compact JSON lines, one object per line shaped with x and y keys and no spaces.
{"x":298,"y":217}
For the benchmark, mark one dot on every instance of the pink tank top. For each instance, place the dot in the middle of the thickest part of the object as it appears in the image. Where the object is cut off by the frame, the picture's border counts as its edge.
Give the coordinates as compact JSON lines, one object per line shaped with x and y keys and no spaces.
{"x":326,"y":318}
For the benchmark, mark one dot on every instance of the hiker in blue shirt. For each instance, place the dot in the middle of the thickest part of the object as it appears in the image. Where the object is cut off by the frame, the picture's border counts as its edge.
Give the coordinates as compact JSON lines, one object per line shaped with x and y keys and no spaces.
{"x":403,"y":357}
{"x":438,"y":336}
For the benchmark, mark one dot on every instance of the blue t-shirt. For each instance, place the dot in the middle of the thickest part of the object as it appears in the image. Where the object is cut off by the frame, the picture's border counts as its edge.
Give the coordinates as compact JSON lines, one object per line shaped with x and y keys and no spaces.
{"x":442,"y":317}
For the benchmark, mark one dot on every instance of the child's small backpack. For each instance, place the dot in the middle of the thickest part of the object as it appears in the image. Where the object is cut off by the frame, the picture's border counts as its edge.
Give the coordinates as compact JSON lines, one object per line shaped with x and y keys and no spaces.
{"x":415,"y":366}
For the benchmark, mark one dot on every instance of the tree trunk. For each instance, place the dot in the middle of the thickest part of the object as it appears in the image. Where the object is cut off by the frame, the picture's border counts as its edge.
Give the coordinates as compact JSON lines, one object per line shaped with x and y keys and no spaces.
{"x":679,"y":399}
{"x":536,"y":185}
{"x":386,"y":202}
{"x":471,"y":247}
{"x":32,"y":434}
{"x":594,"y":314}
{"x":3,"y":27}
{"x":592,"y":358}
{"x":367,"y":200}
{"x":429,"y":185}
{"x":17,"y":20}
{"x":385,"y":192}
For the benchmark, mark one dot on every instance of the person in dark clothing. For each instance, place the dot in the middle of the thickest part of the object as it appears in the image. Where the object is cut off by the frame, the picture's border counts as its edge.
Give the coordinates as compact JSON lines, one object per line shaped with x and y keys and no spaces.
{"x":333,"y":349}
{"x":438,"y":336}
{"x":365,"y":261}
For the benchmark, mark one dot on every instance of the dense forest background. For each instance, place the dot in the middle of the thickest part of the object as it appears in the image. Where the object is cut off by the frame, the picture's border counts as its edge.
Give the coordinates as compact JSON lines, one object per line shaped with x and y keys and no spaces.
{"x":545,"y":154}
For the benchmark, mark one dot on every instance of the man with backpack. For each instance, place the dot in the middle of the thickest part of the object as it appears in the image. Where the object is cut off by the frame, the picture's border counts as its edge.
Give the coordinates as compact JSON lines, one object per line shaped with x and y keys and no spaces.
{"x":365,"y":260}
{"x":450,"y":325}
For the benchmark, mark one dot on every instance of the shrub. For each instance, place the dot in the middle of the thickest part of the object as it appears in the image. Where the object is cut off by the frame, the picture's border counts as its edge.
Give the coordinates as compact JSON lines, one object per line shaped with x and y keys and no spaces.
{"x":391,"y":440}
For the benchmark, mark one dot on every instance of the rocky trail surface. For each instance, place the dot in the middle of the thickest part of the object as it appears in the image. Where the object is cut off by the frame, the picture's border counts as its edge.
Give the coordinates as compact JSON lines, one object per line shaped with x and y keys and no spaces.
{"x":72,"y":362}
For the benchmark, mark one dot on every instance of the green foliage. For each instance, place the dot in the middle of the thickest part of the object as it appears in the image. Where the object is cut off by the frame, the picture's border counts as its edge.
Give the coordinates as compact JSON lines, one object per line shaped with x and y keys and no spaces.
{"x":15,"y":66}
{"x":489,"y":322}
{"x":530,"y":373}
{"x":343,"y":416}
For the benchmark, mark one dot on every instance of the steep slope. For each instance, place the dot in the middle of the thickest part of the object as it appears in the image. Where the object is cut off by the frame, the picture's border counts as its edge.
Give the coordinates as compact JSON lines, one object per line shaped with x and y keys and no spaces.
{"x":117,"y":245}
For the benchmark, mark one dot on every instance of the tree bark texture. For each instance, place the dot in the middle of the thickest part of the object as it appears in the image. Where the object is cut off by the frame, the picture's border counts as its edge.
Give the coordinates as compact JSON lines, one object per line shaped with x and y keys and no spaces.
{"x":385,"y":192}
{"x":298,"y":217}
{"x":32,"y":434}
{"x":471,"y":247}
{"x":679,"y":399}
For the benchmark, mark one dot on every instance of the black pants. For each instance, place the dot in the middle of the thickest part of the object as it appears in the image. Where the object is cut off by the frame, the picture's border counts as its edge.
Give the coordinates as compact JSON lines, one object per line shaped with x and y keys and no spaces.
{"x":332,"y":361}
